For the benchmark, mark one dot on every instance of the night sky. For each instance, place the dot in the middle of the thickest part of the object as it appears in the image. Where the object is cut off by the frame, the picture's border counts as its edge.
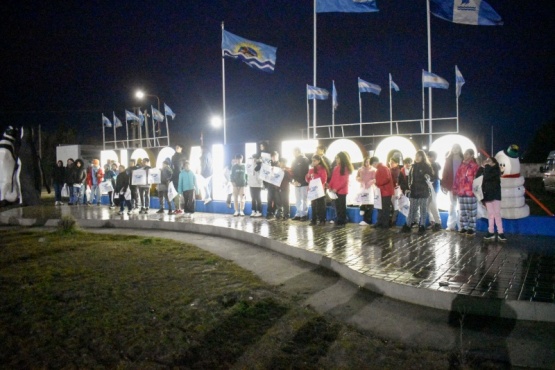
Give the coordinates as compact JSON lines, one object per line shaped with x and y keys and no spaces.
{"x":68,"y":62}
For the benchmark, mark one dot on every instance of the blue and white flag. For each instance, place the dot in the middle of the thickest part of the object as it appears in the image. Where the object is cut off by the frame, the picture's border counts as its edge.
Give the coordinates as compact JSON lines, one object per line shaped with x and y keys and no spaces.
{"x":393,"y":85}
{"x":346,"y":6}
{"x":459,"y":80}
{"x":334,"y":102}
{"x":255,"y":54}
{"x":142,"y":117}
{"x":473,"y":12}
{"x":168,"y":111}
{"x":105,"y":121}
{"x":157,"y":115}
{"x":117,"y":122}
{"x":131,"y":116}
{"x":430,"y":79}
{"x":313,"y":92}
{"x":364,"y":86}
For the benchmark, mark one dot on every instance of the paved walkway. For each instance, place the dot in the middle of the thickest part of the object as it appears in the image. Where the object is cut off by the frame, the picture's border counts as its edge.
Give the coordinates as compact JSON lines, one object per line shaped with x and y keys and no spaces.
{"x":385,"y":262}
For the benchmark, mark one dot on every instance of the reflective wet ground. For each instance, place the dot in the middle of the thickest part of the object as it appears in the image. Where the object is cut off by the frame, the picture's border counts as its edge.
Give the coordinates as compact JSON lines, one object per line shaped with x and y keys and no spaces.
{"x":522,"y":268}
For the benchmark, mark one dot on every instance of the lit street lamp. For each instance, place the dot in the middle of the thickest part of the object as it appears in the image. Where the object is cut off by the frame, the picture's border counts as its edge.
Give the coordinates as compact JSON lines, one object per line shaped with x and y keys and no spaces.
{"x":216,"y":122}
{"x":140,"y":95}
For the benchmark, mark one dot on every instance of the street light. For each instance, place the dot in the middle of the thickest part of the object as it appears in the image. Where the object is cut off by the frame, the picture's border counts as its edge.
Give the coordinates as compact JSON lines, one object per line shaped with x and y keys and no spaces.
{"x":216,"y":122}
{"x":141,"y":94}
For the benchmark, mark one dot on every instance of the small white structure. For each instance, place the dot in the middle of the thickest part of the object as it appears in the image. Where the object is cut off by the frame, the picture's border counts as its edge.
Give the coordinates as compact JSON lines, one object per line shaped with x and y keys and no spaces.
{"x":513,"y":205}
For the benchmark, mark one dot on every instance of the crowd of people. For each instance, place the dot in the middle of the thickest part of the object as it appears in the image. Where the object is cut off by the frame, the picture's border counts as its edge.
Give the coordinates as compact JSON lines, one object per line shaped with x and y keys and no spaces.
{"x":318,"y":181}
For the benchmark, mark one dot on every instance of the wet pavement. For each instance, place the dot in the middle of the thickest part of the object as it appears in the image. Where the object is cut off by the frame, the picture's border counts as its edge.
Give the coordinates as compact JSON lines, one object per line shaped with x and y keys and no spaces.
{"x":522,"y":269}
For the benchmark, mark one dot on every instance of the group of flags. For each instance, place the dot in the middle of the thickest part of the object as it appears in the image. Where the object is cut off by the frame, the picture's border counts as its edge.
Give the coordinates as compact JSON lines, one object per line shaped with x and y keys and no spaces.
{"x":263,"y":57}
{"x":429,"y":79}
{"x":140,"y":118}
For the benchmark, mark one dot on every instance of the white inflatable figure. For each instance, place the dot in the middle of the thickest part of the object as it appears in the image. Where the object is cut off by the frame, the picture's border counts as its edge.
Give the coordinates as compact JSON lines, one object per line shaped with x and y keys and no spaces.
{"x":513,"y":205}
{"x":10,"y":166}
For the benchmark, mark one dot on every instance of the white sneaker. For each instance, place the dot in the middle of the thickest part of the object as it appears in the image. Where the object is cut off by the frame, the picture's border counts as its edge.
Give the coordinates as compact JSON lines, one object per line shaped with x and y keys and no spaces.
{"x":363,"y":223}
{"x":206,"y":201}
{"x":236,"y":214}
{"x":61,"y":203}
{"x":241,"y":213}
{"x":121,"y":213}
{"x":361,"y":213}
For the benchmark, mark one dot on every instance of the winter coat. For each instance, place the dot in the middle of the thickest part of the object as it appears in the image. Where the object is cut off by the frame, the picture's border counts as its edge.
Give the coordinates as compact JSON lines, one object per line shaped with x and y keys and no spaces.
{"x":318,"y":172}
{"x":435,"y":178}
{"x":299,"y":169}
{"x":395,"y":175}
{"x":403,"y":179}
{"x":449,"y":171}
{"x":187,"y":181}
{"x":166,"y":175}
{"x":79,"y":173}
{"x":99,"y":176}
{"x":366,"y":176}
{"x":238,"y":175}
{"x":177,"y":158}
{"x":384,"y":180}
{"x":286,"y":182}
{"x":339,"y":182}
{"x":417,"y":180}
{"x":491,"y":183}
{"x":59,"y":175}
{"x":122,"y":182}
{"x":464,"y":178}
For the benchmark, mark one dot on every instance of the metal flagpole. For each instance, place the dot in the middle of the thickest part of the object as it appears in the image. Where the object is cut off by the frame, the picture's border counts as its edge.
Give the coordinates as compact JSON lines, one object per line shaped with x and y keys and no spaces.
{"x":127,"y":132}
{"x":307,"y":116}
{"x":390,"y":108}
{"x":223,"y":88}
{"x":314,"y":76}
{"x":153,"y":130}
{"x":114,"y":125}
{"x":457,"y":111}
{"x":429,"y":69}
{"x":103,"y":134}
{"x":423,"y":124}
{"x":359,"y":106}
{"x":333,"y":110}
{"x":146,"y":130}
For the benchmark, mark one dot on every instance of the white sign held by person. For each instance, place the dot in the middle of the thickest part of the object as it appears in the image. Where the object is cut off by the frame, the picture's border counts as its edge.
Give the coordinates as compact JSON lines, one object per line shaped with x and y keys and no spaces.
{"x":138,"y":177}
{"x":273,"y":175}
{"x":154,"y":176}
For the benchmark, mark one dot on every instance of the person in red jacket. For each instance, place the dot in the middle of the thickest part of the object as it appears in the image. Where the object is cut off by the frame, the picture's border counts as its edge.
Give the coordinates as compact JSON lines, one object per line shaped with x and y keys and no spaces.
{"x":318,"y":171}
{"x":462,"y":187}
{"x":385,"y":183}
{"x":339,"y":184}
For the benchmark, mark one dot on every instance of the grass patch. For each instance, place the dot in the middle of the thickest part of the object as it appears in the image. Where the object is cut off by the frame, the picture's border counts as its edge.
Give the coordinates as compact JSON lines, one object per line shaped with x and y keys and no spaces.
{"x":93,"y":300}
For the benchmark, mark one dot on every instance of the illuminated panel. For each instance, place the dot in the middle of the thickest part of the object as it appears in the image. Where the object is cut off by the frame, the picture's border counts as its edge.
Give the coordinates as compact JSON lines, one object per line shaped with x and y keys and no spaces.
{"x":124,"y":157}
{"x":442,"y":146}
{"x":398,"y":143}
{"x":345,"y":145}
{"x":194,"y":159}
{"x":166,"y":152}
{"x":250,"y":150}
{"x":218,"y":180}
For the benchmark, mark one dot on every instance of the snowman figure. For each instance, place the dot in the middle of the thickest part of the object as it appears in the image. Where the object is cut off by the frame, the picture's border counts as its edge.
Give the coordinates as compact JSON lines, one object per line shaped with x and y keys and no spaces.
{"x":513,"y":205}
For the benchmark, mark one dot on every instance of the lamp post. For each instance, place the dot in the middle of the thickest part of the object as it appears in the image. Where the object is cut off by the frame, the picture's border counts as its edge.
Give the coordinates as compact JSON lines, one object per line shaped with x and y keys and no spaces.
{"x":141,"y":94}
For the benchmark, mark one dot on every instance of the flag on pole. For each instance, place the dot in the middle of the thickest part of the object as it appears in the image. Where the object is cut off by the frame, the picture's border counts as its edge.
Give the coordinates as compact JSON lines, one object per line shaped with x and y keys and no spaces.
{"x":364,"y":86}
{"x":141,"y":117}
{"x":168,"y":111}
{"x":157,"y":115}
{"x":392,"y":84}
{"x":313,"y":92}
{"x":105,"y":121}
{"x":473,"y":12}
{"x":346,"y":6}
{"x":334,"y":96}
{"x":255,"y":54}
{"x":131,"y":116}
{"x":117,"y":122}
{"x":459,"y":80}
{"x":430,"y":79}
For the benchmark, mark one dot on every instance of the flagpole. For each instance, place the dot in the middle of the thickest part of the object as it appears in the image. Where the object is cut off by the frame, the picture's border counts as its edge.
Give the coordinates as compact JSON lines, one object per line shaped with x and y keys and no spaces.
{"x":359,"y":106}
{"x":307,"y":116}
{"x":127,"y":132}
{"x":390,"y":108}
{"x":114,"y":125}
{"x":429,"y":69}
{"x":314,"y":72}
{"x":223,"y":88}
{"x":103,"y":134}
{"x":457,"y":110}
{"x":423,"y":124}
{"x":333,"y":110}
{"x":153,"y":130}
{"x":167,"y":128}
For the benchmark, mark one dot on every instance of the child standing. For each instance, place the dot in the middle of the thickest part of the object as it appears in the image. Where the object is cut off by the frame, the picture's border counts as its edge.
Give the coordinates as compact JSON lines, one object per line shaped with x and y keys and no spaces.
{"x":419,"y":175}
{"x":282,"y":199}
{"x":318,"y":171}
{"x":238,"y":179}
{"x":122,"y":184}
{"x":339,"y":184}
{"x":255,"y":185}
{"x":166,"y":175}
{"x":462,"y":187}
{"x":187,"y":186}
{"x":491,"y":187}
{"x":433,"y":212}
{"x":366,"y":176}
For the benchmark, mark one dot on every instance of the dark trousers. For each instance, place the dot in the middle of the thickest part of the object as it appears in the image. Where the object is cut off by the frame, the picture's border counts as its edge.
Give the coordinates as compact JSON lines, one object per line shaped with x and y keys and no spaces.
{"x":135,"y":200}
{"x":271,"y":200}
{"x":341,"y":208}
{"x":318,"y":209}
{"x":384,"y":214}
{"x":368,"y":210}
{"x":163,"y":194}
{"x":282,"y":202}
{"x":256,"y":200}
{"x":144,"y":194}
{"x":189,"y":201}
{"x":58,"y":192}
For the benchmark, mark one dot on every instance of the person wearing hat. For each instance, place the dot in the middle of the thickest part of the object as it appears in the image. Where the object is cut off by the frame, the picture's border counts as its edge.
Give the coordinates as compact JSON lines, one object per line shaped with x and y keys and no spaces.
{"x":165,"y":178}
{"x":144,"y":190}
{"x":95,"y":176}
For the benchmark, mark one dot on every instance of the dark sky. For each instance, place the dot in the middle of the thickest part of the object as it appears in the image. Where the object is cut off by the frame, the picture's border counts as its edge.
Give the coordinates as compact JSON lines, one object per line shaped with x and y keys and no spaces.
{"x":70,"y":61}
